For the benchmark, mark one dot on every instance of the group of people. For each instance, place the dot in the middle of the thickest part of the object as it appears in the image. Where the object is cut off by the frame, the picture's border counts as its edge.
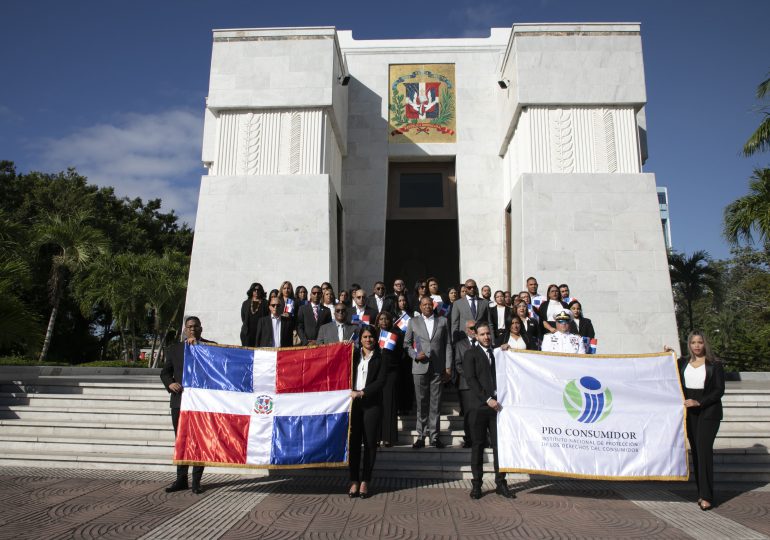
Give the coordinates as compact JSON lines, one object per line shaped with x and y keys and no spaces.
{"x":409,"y":346}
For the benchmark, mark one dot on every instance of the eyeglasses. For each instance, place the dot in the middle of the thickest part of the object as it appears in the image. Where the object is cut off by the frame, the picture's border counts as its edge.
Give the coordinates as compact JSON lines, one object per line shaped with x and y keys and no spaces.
{"x":315,"y":292}
{"x":339,"y":311}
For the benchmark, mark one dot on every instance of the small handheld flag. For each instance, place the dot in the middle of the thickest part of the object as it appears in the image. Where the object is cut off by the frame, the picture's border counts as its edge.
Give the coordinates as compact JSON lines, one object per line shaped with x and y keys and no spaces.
{"x":441,"y":308}
{"x":403,"y":322}
{"x":592,"y":346}
{"x":289,"y":306}
{"x":359,"y":321}
{"x":388,"y":340}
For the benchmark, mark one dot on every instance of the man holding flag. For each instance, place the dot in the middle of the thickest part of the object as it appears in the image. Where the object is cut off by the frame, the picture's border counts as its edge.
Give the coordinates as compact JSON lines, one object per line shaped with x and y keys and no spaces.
{"x":171,"y":375}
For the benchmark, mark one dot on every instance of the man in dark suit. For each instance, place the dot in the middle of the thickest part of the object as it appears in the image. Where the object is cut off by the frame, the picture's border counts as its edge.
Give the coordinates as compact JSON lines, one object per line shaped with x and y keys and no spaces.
{"x":171,"y":375}
{"x":359,"y":308}
{"x":462,"y":344}
{"x":431,"y":368}
{"x":339,"y":329}
{"x":275,"y":330}
{"x":379,"y":301}
{"x":479,"y":371}
{"x":311,"y":317}
{"x":469,"y":306}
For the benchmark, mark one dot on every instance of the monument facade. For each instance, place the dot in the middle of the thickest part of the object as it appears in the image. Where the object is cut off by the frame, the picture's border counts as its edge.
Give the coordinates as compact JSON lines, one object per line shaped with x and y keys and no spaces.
{"x":341,"y":160}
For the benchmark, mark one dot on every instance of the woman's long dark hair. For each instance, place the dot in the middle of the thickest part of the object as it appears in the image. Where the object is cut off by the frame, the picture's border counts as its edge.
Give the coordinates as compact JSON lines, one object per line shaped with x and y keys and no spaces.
{"x":255,"y":286}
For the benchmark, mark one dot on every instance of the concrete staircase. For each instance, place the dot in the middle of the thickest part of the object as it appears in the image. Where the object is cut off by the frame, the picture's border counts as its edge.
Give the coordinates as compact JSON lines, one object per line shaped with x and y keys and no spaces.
{"x":120,"y":420}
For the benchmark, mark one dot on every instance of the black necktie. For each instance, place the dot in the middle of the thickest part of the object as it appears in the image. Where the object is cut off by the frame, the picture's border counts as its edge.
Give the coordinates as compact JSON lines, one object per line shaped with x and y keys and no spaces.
{"x":473,"y":342}
{"x":494,"y":372}
{"x":473,"y":307}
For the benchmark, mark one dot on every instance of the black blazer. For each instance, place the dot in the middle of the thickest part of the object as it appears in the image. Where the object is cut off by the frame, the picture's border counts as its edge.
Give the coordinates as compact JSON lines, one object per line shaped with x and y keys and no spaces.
{"x":713,"y":389}
{"x":393,"y":358}
{"x":478,"y":374}
{"x":542,"y":312}
{"x":173,"y":369}
{"x":307,"y":326}
{"x":249,"y":326}
{"x":532,"y":331}
{"x":528,"y":341}
{"x":265,"y":332}
{"x":507,"y":315}
{"x":388,"y":304}
{"x":375,"y":378}
{"x":461,"y":346}
{"x":586,"y":328}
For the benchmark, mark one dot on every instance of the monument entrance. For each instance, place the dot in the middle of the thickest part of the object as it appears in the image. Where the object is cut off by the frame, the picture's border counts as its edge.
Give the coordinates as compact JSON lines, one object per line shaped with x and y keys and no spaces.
{"x":421,"y":234}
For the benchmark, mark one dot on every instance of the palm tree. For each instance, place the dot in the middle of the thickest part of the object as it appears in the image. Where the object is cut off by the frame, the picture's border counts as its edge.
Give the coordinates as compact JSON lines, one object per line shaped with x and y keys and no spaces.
{"x":751,"y":211}
{"x":20,"y":325}
{"x":692,"y":277}
{"x":74,"y":244}
{"x":166,"y":283}
{"x":760,"y":139}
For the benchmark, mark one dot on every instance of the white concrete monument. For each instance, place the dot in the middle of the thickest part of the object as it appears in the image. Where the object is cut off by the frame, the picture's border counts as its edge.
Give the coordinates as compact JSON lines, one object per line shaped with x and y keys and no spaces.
{"x":342,"y":160}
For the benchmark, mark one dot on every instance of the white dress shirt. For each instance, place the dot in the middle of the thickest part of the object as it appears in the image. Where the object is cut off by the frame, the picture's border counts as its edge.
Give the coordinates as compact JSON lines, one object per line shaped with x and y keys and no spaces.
{"x":516,"y":342}
{"x":340,"y":331}
{"x":363,"y":369}
{"x":695,"y":378}
{"x":500,"y":317}
{"x":276,"y":330}
{"x":429,"y":323}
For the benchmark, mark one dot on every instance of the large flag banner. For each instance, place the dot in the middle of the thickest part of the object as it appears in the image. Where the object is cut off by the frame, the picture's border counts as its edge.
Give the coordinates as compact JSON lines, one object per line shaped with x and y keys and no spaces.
{"x":265,"y":408}
{"x":591,"y":416}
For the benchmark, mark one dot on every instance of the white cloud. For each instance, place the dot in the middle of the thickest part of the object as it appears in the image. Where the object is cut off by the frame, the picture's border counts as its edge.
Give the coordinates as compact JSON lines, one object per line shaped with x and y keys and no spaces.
{"x":141,"y":155}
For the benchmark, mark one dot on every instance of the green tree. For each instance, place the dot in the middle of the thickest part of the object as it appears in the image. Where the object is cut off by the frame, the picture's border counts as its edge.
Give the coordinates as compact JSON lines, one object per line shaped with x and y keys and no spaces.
{"x":71,"y":244}
{"x":165,"y":284}
{"x":750,"y":212}
{"x":760,"y":139}
{"x":692,"y":278}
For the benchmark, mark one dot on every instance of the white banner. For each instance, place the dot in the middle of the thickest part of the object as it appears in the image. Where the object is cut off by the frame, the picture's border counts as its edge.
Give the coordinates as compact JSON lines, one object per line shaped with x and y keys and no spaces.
{"x":591,"y":416}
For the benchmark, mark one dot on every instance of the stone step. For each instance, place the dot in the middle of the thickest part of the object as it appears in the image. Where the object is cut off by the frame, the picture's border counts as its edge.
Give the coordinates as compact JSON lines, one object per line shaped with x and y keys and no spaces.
{"x":116,"y":430}
{"x":84,"y":389}
{"x":75,"y":415}
{"x":77,"y":400}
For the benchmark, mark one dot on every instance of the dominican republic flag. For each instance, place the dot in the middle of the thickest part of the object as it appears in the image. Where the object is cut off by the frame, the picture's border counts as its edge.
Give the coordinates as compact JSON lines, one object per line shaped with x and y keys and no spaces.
{"x":388,"y":340}
{"x":360,"y":321}
{"x":403,"y":322}
{"x":289,"y":306}
{"x":589,"y":344}
{"x":441,"y":308}
{"x":265,"y":408}
{"x":536,"y":301}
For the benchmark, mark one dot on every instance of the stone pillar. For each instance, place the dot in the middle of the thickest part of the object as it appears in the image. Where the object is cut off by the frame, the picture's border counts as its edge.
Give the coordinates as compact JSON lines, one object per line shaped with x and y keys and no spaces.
{"x":274,"y":137}
{"x":582,"y":210}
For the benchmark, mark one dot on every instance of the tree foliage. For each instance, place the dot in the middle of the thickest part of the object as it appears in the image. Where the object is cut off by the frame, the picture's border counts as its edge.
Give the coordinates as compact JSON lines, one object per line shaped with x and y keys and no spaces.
{"x":692,"y":278}
{"x":750,"y":212}
{"x":760,"y":139}
{"x":35,"y":210}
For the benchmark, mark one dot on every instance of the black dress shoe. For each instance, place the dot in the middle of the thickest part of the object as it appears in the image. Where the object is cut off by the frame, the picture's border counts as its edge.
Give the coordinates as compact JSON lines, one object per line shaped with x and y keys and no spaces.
{"x":438,"y":444}
{"x":419,"y":443}
{"x":502,"y":489}
{"x":177,"y":486}
{"x":467,"y":444}
{"x":476,"y":493}
{"x":196,"y":489}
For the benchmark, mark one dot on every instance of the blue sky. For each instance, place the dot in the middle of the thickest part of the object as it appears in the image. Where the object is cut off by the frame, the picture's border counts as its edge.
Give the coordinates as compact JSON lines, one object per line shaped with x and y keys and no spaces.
{"x":117,"y":89}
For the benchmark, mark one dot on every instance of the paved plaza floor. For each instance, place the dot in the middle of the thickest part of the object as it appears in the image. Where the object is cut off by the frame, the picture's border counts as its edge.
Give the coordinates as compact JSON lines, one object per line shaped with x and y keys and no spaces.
{"x":67,"y":503}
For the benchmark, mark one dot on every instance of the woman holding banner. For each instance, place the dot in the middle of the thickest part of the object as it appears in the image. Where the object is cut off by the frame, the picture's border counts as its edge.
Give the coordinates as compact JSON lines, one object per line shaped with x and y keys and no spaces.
{"x":369,"y":374}
{"x":703,"y":381}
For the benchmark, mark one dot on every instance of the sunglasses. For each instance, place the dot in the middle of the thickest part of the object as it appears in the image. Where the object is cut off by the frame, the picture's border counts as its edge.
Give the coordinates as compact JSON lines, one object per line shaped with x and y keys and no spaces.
{"x":275,"y":305}
{"x":339,"y":311}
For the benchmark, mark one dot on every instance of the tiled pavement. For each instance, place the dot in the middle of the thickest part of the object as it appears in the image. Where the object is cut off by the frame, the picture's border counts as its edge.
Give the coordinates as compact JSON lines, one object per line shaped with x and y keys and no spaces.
{"x":55,"y":503}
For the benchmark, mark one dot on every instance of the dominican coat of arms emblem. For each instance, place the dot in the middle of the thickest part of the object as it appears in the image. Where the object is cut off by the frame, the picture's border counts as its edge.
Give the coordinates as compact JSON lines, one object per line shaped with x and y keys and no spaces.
{"x":422,"y":103}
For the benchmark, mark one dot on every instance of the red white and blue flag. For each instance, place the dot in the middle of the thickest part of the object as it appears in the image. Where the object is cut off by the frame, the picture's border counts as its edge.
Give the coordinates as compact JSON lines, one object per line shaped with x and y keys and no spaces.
{"x":589,"y":344}
{"x":441,"y":308}
{"x":265,"y":408}
{"x":288,"y":306}
{"x":403,"y":322}
{"x":388,"y":340}
{"x":360,"y":321}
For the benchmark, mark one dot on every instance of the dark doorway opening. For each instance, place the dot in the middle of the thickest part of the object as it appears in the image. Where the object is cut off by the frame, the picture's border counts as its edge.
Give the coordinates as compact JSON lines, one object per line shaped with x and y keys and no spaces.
{"x":420,"y":248}
{"x":421,"y":235}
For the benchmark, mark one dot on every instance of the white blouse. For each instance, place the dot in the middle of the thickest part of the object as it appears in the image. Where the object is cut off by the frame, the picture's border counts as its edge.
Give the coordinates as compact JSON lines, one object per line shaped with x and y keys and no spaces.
{"x":554,"y":307}
{"x":695,"y":378}
{"x":516,"y":343}
{"x":363,"y":369}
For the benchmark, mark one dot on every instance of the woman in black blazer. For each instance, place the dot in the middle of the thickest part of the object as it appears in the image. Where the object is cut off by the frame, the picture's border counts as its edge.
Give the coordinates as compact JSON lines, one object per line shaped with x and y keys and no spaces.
{"x":529,"y":325}
{"x":553,"y":299}
{"x":515,"y":337}
{"x":580,"y":325}
{"x":703,"y":381}
{"x":369,"y":373}
{"x":392,"y":360}
{"x":252,"y":309}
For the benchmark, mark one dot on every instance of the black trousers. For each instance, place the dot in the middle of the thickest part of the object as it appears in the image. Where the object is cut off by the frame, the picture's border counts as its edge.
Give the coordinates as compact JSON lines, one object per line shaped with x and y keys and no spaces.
{"x":390,"y":407}
{"x":465,"y":411}
{"x":483,"y":419}
{"x":701,"y":433}
{"x":181,"y":470}
{"x":364,"y":428}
